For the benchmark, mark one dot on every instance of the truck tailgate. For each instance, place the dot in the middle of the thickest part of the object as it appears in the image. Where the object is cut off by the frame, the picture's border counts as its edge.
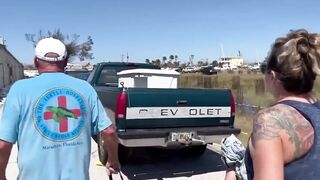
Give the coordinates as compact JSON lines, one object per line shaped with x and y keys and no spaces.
{"x":168,"y":108}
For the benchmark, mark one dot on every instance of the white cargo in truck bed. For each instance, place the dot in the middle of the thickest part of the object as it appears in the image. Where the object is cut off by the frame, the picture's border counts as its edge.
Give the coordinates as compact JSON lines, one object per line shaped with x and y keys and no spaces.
{"x":148,"y":78}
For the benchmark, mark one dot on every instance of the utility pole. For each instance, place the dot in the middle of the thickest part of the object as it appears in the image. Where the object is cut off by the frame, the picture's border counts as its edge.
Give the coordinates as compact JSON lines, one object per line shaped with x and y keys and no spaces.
{"x":222,"y":52}
{"x":127,"y":57}
{"x":122,"y":56}
{"x":191,"y":57}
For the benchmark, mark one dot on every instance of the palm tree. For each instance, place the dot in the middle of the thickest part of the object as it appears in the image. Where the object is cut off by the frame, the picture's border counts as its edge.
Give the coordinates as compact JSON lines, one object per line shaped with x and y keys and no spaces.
{"x":171,"y":57}
{"x":164,"y":63}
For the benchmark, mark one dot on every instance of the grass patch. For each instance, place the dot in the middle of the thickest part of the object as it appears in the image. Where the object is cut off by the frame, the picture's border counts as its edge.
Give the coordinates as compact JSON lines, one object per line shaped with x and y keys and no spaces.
{"x":247,"y":87}
{"x":244,"y":122}
{"x":244,"y":84}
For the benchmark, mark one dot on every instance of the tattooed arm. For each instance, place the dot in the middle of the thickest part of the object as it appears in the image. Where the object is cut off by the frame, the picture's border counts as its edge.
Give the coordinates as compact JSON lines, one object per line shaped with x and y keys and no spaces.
{"x":280,"y":135}
{"x":266,"y":147}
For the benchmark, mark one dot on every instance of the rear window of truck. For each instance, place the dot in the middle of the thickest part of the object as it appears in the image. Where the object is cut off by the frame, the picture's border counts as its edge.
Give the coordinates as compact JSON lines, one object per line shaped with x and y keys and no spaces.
{"x":108,"y":75}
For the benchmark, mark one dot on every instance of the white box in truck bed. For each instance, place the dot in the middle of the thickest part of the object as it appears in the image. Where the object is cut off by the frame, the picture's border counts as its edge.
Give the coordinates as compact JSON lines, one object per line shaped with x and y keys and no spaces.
{"x":148,"y":78}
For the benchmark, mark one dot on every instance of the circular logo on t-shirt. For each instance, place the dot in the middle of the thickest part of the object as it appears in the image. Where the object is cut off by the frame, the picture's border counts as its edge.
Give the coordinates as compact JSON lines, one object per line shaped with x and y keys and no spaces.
{"x":59,"y":114}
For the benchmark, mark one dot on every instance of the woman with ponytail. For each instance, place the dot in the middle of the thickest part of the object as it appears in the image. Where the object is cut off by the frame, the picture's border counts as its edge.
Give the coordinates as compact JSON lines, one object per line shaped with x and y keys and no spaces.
{"x":285,"y":142}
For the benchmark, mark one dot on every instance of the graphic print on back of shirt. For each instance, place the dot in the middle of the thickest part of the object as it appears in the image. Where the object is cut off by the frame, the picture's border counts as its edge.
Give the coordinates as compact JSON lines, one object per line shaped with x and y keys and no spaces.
{"x":59,"y":114}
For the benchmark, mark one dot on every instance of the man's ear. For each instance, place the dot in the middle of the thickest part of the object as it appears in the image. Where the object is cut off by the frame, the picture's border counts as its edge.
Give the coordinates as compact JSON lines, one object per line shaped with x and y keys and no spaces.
{"x":36,"y":63}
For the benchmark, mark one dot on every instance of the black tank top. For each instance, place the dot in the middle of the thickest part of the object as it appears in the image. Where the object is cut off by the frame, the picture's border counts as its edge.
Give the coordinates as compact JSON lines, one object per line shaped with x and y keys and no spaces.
{"x":308,"y":166}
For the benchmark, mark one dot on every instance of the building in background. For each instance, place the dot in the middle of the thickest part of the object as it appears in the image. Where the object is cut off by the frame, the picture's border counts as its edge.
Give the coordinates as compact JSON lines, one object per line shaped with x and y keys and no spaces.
{"x":231,"y":62}
{"x":10,"y":68}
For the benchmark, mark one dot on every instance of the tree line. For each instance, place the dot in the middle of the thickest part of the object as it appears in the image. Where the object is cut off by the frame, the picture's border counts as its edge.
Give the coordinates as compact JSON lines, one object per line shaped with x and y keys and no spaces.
{"x":173,"y":62}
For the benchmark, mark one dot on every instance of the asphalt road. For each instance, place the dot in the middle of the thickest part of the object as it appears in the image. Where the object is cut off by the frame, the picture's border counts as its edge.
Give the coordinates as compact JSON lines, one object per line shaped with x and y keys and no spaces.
{"x":150,"y":163}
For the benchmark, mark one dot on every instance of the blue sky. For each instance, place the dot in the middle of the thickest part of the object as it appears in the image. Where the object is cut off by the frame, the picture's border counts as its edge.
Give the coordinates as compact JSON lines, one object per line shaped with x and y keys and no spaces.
{"x":156,"y":28}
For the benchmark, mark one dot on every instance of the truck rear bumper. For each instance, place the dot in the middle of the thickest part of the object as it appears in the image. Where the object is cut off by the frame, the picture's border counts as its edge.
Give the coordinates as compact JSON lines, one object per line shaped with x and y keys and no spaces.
{"x":163,"y":137}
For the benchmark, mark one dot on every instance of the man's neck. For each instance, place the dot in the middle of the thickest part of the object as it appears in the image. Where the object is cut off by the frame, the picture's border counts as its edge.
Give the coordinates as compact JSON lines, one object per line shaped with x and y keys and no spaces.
{"x":49,"y":70}
{"x":52,"y":67}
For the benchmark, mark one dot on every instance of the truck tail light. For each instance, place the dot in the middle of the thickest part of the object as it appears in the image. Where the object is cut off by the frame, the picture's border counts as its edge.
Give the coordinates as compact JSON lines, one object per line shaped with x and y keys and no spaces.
{"x":121,"y":105}
{"x":233,"y":106}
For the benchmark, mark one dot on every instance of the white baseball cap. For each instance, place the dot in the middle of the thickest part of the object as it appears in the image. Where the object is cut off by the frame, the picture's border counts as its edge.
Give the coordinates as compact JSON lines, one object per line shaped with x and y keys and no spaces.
{"x":50,"y":45}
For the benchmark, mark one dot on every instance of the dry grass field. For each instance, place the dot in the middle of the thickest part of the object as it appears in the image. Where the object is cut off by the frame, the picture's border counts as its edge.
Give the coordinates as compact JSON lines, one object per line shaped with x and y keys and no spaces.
{"x":248,"y":89}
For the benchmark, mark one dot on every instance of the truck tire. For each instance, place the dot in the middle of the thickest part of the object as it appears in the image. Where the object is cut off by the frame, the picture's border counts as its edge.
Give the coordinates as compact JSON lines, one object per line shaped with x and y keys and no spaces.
{"x":103,"y":156}
{"x":196,"y":151}
{"x":123,"y":152}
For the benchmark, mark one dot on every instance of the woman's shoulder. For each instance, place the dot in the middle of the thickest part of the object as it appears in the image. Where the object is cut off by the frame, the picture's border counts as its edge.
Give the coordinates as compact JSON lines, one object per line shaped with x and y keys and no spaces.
{"x":279,"y":119}
{"x":280,"y":111}
{"x":268,"y":123}
{"x":275,"y":114}
{"x":280,"y":116}
{"x":284,"y":122}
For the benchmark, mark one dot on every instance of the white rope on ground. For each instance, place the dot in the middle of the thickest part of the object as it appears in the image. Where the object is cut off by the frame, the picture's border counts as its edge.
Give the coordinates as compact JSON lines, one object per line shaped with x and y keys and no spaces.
{"x":248,"y":105}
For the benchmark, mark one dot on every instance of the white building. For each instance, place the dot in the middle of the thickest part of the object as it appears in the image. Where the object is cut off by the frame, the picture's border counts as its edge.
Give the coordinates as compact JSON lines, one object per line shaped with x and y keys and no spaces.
{"x":231,"y":62}
{"x":10,"y":68}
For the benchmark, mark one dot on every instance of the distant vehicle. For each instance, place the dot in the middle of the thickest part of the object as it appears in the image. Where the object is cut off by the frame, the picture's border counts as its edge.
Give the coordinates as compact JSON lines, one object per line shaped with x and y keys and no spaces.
{"x":209,"y":70}
{"x":178,"y":69}
{"x":189,"y":70}
{"x":78,"y":73}
{"x":30,"y":73}
{"x":255,"y":67}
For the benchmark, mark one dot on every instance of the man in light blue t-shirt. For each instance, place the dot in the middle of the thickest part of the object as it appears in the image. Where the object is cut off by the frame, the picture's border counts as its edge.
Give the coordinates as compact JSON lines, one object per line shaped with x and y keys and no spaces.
{"x":52,"y":118}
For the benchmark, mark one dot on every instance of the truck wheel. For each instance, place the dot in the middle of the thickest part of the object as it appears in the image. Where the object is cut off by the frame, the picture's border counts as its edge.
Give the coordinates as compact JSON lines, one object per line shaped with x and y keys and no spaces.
{"x":103,"y":156}
{"x":196,"y":150}
{"x":123,"y":152}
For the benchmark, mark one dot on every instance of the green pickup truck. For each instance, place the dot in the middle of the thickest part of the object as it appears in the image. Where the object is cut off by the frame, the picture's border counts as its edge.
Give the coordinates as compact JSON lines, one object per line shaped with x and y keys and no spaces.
{"x":162,"y":117}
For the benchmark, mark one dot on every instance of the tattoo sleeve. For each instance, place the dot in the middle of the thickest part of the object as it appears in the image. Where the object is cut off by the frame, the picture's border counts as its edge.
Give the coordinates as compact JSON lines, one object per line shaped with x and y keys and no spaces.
{"x":265,"y":126}
{"x":269,"y":123}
